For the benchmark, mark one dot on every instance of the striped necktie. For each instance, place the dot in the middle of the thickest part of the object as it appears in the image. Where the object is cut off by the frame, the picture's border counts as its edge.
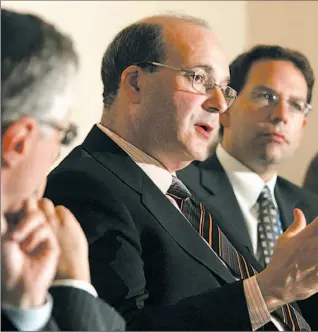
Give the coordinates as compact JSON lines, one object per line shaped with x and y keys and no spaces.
{"x":203,"y":222}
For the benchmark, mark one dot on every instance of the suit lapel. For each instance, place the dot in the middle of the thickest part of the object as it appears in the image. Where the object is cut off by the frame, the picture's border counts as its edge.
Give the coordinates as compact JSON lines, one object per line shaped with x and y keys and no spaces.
{"x":210,"y":183}
{"x":286,"y":202}
{"x":118,"y":162}
{"x":182,"y":231}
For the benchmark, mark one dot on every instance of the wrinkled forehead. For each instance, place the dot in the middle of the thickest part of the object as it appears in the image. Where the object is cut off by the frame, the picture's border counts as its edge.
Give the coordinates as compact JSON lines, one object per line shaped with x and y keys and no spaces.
{"x":190,"y":45}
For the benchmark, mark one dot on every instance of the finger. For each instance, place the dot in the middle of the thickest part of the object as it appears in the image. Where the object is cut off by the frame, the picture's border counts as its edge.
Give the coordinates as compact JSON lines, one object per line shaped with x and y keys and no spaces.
{"x":41,"y":238}
{"x":31,"y":205}
{"x":64,"y":214}
{"x":27,"y":226}
{"x":47,"y":206}
{"x":298,"y":225}
{"x":48,"y":209}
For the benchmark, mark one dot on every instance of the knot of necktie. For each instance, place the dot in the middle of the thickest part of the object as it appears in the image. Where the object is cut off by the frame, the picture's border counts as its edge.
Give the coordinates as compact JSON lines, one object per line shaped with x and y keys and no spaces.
{"x":265,"y":195}
{"x":178,"y":189}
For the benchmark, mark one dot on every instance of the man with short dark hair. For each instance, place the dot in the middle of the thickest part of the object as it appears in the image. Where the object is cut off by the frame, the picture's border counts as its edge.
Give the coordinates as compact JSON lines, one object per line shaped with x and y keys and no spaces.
{"x":165,"y":84}
{"x":40,"y":242}
{"x":263,"y":127}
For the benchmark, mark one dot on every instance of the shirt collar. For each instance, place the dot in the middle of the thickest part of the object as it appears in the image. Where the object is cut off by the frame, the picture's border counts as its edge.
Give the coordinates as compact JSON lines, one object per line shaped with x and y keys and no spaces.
{"x":246,"y":183}
{"x":152,"y":167}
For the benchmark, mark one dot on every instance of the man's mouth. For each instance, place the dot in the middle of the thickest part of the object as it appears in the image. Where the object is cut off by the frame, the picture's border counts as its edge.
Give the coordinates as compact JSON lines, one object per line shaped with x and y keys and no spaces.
{"x":277,"y":137}
{"x":204,"y":129}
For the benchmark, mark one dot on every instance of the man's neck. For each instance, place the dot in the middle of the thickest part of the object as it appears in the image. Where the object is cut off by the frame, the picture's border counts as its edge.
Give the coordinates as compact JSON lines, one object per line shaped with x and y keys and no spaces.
{"x":171,"y":162}
{"x":264,"y":171}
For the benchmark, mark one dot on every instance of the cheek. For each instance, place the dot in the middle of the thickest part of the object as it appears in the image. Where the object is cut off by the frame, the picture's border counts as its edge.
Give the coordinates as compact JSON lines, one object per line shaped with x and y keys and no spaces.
{"x":188,"y":108}
{"x":39,"y":191}
{"x":297,"y":132}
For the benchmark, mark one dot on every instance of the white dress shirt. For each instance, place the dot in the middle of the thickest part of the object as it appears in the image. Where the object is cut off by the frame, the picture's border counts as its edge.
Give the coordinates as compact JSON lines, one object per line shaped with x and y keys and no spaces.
{"x":247,"y":186}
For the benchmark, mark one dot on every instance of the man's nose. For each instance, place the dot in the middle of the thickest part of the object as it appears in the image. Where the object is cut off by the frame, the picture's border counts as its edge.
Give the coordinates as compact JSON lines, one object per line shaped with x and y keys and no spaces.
{"x":216,"y":101}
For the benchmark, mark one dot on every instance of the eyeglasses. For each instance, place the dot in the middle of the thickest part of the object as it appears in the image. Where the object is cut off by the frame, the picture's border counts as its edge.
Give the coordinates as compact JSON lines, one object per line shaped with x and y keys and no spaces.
{"x":202,"y":82}
{"x":69,"y":133}
{"x":270,"y":99}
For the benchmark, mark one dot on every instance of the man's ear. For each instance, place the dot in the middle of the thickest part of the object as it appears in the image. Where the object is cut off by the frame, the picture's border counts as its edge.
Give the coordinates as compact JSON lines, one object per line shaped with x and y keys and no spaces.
{"x":131,"y":83}
{"x":18,"y":141}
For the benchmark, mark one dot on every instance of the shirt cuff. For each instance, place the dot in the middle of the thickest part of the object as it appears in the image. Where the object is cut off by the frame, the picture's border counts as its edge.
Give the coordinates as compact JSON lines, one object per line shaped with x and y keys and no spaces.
{"x":80,"y":284}
{"x":257,"y":309}
{"x":33,"y":319}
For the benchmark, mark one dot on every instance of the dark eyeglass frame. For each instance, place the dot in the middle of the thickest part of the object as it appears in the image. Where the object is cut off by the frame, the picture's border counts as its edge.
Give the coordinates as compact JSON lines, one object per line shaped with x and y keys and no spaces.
{"x":69,"y":133}
{"x":208,"y":86}
{"x":277,"y":98}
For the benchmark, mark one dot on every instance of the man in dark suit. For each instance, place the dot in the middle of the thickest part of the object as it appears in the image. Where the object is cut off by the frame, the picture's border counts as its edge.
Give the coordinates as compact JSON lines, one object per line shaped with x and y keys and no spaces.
{"x":165,"y":83}
{"x":40,"y":242}
{"x":263,"y":128}
{"x":311,"y":177}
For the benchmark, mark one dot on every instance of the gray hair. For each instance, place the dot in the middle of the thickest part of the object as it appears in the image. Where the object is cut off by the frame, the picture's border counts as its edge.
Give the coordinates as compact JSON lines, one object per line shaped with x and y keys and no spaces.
{"x":139,"y":42}
{"x":37,"y":65}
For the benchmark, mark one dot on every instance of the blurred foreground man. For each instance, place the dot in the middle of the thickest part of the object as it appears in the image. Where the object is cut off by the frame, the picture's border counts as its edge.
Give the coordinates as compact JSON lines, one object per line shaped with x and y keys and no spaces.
{"x":40,"y":242}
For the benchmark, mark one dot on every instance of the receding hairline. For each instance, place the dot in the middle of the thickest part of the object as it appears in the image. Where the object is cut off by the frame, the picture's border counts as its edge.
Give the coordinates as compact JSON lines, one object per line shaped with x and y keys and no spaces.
{"x":170,"y":23}
{"x":167,"y":19}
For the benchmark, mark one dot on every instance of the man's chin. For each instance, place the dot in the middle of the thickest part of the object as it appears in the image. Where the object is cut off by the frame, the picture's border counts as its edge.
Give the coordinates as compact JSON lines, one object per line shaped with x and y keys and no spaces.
{"x":200,"y":155}
{"x":271,"y":158}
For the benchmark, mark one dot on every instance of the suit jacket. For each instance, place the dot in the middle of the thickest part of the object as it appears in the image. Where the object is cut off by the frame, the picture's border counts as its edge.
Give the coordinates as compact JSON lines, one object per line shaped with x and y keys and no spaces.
{"x":146,"y":259}
{"x":211,"y":184}
{"x":76,"y":310}
{"x":311,"y":177}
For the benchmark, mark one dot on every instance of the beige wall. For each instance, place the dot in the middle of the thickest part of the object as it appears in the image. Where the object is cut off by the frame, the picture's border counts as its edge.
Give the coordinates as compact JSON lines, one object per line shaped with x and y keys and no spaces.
{"x":239,"y":24}
{"x":292,"y":24}
{"x":93,"y":24}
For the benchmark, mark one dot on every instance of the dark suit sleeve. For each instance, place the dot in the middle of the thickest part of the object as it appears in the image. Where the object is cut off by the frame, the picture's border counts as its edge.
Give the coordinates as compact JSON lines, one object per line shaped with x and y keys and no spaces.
{"x":311,"y":177}
{"x":117,"y":266}
{"x":7,"y":325}
{"x":309,"y":309}
{"x":77,"y":310}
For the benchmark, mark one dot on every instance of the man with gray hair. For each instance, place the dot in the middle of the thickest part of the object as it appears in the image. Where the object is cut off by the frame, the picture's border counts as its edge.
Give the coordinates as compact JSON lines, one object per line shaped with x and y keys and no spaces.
{"x":40,"y":242}
{"x":165,"y":83}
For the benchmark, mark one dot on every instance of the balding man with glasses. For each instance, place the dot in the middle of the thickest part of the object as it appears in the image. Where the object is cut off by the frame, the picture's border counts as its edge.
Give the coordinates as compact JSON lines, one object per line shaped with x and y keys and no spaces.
{"x":166,"y":81}
{"x":45,"y":278}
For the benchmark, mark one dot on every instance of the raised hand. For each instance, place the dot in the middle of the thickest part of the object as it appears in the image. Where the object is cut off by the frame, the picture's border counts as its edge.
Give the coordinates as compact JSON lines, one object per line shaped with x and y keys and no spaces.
{"x":292,"y":273}
{"x":29,"y":256}
{"x":73,"y":262}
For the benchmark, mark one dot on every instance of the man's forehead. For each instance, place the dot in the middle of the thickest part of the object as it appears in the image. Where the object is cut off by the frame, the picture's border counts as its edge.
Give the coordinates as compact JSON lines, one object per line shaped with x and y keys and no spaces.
{"x":279,"y":74}
{"x":197,"y":47}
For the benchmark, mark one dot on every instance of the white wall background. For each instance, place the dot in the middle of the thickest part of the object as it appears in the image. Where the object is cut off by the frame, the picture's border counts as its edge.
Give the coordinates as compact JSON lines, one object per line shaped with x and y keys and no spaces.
{"x":238,"y":24}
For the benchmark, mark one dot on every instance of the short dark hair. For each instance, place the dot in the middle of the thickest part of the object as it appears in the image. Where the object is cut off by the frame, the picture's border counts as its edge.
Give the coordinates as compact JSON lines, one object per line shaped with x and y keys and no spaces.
{"x":139,"y":42}
{"x":37,"y":63}
{"x":241,"y":66}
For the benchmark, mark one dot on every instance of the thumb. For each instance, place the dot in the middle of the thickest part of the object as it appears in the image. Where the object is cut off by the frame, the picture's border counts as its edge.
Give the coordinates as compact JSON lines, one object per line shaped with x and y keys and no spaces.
{"x":298,"y":225}
{"x":31,"y":205}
